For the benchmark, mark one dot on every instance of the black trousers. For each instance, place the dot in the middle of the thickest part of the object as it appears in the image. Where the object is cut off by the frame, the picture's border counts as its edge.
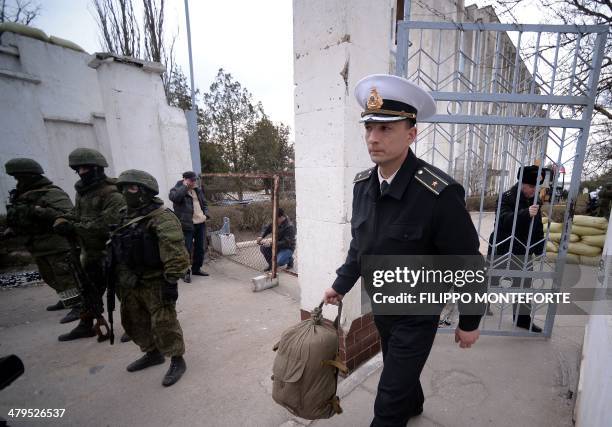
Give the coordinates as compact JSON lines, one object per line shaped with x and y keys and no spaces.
{"x":195,"y":242}
{"x":406,"y":342}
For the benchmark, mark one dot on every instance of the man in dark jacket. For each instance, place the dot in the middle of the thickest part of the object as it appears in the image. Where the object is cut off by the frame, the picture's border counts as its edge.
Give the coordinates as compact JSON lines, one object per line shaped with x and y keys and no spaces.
{"x":190,"y":206}
{"x":285,"y":243}
{"x":528,"y":211}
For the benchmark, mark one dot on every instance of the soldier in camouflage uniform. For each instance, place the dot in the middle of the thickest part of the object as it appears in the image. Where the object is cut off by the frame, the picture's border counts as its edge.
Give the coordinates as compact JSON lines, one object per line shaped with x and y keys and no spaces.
{"x":97,"y":206}
{"x":149,"y":257}
{"x":34,"y":205}
{"x":605,"y":200}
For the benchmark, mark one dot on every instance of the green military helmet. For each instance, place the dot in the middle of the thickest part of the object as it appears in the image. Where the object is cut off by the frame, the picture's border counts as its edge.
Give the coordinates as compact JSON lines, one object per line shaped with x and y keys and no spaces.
{"x":86,"y":156}
{"x":23,"y":165}
{"x":135,"y":176}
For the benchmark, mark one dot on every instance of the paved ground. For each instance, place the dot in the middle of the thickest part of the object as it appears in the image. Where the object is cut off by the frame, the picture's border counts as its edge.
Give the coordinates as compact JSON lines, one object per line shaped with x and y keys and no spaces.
{"x":229,"y":333}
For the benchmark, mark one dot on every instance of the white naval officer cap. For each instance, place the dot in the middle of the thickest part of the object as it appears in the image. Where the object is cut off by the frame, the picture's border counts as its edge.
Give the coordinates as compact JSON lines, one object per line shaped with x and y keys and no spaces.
{"x":388,"y":98}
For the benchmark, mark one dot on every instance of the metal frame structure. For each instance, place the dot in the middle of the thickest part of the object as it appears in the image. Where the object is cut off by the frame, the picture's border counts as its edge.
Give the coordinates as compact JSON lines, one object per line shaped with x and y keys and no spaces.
{"x":509,"y":95}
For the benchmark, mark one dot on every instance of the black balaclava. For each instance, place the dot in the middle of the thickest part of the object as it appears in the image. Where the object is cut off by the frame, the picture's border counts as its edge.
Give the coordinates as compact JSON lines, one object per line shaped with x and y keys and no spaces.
{"x":135,"y":201}
{"x":94,"y":174}
{"x":26,"y":180}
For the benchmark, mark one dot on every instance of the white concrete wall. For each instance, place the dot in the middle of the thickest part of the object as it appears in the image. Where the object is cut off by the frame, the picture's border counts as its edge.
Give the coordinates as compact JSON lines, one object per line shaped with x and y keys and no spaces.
{"x":336,"y":43}
{"x":594,"y":401}
{"x":53,"y":100}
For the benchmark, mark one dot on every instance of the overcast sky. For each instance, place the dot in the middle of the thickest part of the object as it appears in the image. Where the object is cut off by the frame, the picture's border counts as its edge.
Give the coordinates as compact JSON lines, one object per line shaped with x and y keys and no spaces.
{"x":253,"y":40}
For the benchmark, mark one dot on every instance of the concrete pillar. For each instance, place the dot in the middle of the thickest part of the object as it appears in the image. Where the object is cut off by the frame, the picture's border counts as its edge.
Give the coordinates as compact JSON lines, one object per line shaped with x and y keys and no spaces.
{"x":336,"y":43}
{"x":145,"y":133}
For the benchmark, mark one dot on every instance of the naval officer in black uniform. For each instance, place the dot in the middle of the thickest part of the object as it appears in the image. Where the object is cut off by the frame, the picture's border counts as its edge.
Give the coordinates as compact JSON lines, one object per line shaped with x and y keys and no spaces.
{"x":403,"y":206}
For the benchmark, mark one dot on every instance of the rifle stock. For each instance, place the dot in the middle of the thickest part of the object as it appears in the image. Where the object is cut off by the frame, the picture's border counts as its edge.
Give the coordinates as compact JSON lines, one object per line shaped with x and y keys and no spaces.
{"x":91,"y":301}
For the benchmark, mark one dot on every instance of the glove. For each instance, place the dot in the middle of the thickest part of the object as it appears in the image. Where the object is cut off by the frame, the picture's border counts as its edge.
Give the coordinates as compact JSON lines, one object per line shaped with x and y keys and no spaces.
{"x":63,"y":227}
{"x":7,"y":234}
{"x":169,"y":292}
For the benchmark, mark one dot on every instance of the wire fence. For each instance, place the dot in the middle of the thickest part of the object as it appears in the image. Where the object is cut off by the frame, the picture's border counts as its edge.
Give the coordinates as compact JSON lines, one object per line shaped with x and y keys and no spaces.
{"x":241,"y":206}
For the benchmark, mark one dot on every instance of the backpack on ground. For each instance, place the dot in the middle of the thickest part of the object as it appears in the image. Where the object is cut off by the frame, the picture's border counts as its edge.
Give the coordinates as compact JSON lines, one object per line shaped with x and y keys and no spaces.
{"x":305,"y":371}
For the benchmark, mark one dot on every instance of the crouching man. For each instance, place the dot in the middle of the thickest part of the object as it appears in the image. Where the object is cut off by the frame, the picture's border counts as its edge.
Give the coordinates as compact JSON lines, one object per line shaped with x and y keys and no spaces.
{"x":150,"y":257}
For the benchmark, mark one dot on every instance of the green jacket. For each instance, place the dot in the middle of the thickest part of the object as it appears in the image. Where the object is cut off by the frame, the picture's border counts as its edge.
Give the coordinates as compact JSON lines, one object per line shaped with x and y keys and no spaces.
{"x":33,"y":211}
{"x":96,"y":208}
{"x":165,"y":260}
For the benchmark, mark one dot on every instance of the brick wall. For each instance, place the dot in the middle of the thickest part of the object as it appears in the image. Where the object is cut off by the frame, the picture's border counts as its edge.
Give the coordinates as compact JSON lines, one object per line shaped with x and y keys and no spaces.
{"x":359,"y":344}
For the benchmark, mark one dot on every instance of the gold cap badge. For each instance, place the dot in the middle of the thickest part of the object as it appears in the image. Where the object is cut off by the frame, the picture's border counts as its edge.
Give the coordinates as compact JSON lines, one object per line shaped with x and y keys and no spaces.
{"x":374,"y":100}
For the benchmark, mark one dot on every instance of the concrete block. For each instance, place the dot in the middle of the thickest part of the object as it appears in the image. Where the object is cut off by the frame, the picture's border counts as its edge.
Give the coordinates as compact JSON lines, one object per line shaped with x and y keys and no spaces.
{"x":321,"y":193}
{"x":317,"y":24}
{"x":319,"y":137}
{"x":223,"y":243}
{"x":263,"y":282}
{"x":319,"y":84}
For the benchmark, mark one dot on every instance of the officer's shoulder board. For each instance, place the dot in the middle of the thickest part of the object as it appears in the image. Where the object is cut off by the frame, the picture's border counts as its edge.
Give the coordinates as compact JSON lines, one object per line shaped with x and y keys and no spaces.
{"x":363,"y":175}
{"x":431,"y":179}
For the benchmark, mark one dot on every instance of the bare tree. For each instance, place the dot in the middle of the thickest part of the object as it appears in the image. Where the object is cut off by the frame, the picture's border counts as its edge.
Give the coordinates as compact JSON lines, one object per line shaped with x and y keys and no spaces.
{"x":120,"y":33}
{"x":581,"y":12}
{"x":155,"y":46}
{"x":119,"y":27}
{"x":20,"y":11}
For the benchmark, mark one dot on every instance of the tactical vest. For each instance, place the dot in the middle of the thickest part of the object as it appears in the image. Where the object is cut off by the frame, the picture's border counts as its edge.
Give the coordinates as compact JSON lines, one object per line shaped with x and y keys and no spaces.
{"x":136,"y":246}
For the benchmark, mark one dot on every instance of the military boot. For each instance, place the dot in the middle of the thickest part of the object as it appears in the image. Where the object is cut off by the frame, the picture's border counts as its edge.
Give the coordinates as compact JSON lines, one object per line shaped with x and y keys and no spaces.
{"x":72,"y":315}
{"x":83,"y":330}
{"x":151,"y":358}
{"x":175,"y":371}
{"x":125,"y":338}
{"x":57,"y":306}
{"x":187,"y":277}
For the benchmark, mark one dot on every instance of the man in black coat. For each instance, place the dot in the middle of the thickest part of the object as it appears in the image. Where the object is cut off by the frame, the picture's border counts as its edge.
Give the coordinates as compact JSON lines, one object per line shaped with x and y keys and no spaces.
{"x":190,"y":206}
{"x":403,"y":206}
{"x":285,"y":244}
{"x":528,"y":212}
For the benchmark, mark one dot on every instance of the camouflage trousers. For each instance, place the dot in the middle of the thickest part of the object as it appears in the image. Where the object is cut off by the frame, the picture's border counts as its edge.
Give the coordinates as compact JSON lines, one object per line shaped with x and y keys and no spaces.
{"x":56,"y":272}
{"x":149,"y":321}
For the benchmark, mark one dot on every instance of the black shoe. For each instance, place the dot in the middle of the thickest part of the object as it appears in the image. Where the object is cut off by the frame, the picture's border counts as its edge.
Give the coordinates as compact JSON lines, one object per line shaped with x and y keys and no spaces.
{"x":290,"y":264}
{"x":199,"y":272}
{"x":151,"y":358}
{"x":74,"y":314}
{"x":267,"y":269}
{"x":175,"y":371}
{"x":125,"y":338}
{"x":56,"y":307}
{"x":534,"y":328}
{"x":524,"y":322}
{"x":187,"y":278}
{"x":83,"y":330}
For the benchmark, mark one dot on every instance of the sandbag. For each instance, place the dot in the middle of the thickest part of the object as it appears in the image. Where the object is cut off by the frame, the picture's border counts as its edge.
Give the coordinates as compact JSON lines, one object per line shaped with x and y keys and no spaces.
{"x":556,"y":237}
{"x":305,"y":370}
{"x":552,"y":246}
{"x":594,"y":240}
{"x":583,"y":249}
{"x":544,"y":220}
{"x":591,"y":221}
{"x":587,"y":231}
{"x":24,"y":30}
{"x":65,"y":43}
{"x":590,"y":260}
{"x":569,"y":258}
{"x":555,"y":227}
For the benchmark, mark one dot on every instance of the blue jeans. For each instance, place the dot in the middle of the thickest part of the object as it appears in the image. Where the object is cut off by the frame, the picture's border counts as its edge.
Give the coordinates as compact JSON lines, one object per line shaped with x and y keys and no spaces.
{"x":284,"y":256}
{"x":195,"y":240}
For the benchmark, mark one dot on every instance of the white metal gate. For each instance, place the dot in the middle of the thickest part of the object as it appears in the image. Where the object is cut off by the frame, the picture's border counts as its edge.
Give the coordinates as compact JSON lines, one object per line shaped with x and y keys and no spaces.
{"x":508,"y":96}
